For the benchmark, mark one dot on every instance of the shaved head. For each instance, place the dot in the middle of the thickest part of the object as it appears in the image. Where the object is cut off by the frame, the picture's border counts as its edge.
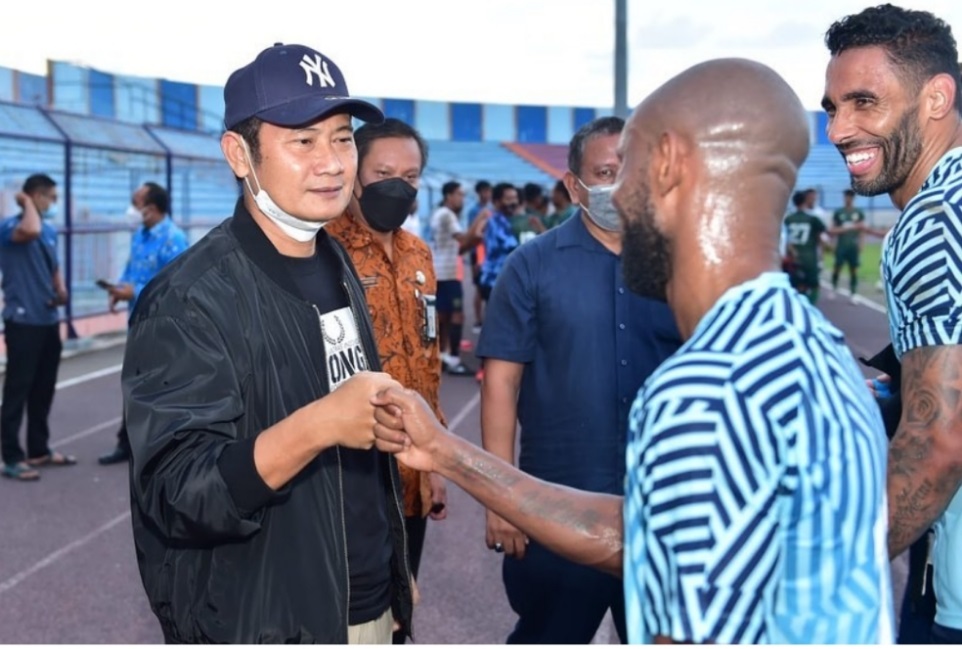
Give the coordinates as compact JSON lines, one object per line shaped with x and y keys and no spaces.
{"x":709,"y":161}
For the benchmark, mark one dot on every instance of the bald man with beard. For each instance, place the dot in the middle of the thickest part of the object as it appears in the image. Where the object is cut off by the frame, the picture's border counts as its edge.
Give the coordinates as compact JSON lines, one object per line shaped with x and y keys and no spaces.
{"x":755,"y":500}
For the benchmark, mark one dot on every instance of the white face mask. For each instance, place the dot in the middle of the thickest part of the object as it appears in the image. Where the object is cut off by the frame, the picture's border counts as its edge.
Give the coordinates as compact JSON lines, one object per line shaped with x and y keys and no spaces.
{"x":133,"y":215}
{"x":295,"y":228}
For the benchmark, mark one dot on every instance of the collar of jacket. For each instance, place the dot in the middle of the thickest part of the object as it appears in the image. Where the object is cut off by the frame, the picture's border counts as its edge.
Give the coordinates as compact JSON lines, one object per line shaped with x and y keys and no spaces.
{"x":261,"y":251}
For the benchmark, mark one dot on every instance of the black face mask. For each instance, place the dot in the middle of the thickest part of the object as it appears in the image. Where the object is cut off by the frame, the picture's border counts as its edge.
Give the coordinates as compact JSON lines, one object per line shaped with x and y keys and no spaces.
{"x":387,"y":203}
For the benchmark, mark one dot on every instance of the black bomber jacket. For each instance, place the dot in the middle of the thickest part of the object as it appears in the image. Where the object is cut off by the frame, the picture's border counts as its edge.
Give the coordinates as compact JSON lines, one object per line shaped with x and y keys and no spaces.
{"x":222,"y":346}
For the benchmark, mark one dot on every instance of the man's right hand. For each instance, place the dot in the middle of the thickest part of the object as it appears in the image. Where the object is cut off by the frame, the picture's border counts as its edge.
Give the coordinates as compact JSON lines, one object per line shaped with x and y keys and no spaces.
{"x":353,"y":413}
{"x":500,"y":531}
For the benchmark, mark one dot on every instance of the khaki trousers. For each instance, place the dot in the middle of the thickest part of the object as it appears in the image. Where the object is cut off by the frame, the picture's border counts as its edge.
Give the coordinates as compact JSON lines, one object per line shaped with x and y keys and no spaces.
{"x":374,"y":632}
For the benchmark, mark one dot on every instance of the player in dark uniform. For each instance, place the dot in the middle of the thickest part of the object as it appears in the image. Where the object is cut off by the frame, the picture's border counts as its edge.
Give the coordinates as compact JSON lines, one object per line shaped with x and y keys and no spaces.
{"x":848,"y":224}
{"x":804,"y":235}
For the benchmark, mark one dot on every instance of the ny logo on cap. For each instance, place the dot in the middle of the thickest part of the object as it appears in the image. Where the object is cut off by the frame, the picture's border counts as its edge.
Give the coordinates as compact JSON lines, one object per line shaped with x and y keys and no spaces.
{"x":318,"y":67}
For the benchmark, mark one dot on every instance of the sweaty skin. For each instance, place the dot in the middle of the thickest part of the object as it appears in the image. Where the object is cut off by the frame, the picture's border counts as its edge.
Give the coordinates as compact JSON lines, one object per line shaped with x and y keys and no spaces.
{"x":710,"y":158}
{"x":736,"y":161}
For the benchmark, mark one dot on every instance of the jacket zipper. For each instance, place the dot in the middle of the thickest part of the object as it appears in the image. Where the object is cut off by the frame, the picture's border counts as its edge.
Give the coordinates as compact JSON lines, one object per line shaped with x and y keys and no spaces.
{"x":340,"y":482}
{"x":394,"y":486}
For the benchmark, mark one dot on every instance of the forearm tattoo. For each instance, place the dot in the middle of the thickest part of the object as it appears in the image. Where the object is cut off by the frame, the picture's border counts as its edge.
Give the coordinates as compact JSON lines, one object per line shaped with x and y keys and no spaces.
{"x":923,"y":475}
{"x":594,"y":517}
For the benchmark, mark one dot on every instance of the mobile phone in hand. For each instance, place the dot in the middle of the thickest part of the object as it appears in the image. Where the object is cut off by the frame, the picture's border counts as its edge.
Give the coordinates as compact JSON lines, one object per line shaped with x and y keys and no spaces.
{"x":104,"y":284}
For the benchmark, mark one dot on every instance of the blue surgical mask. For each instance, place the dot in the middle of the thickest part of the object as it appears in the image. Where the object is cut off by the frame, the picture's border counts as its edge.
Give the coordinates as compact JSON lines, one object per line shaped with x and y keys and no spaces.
{"x":50,"y":213}
{"x":295,"y":228}
{"x":600,"y":209}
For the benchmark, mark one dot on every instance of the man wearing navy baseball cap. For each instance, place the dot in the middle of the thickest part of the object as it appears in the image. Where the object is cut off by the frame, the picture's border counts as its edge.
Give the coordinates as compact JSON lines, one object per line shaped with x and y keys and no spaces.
{"x":261,"y":511}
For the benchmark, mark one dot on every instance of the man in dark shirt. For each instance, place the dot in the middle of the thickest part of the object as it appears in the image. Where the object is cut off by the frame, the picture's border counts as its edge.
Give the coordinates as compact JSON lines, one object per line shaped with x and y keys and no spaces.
{"x":564,"y":354}
{"x":33,"y":288}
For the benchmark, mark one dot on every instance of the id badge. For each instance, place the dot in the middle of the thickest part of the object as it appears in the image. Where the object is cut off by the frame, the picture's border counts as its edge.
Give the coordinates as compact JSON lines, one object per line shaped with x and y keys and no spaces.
{"x":429,"y":328}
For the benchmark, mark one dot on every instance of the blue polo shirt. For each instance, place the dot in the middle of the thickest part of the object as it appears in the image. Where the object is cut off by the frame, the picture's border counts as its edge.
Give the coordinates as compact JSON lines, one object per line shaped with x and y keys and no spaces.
{"x":28,"y":270}
{"x":561,"y":308}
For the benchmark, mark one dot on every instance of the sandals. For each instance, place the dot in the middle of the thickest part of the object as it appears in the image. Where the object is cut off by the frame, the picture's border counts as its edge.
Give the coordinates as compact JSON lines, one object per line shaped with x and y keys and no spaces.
{"x":52,"y":459}
{"x":20,"y":471}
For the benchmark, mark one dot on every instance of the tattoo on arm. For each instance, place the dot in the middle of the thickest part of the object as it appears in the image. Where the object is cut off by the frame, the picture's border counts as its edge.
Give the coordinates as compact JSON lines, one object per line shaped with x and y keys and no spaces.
{"x":925,"y":467}
{"x":582,"y":526}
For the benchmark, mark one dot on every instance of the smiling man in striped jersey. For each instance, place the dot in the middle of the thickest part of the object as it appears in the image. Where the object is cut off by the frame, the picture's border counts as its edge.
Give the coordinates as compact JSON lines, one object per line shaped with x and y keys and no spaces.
{"x":892,"y":94}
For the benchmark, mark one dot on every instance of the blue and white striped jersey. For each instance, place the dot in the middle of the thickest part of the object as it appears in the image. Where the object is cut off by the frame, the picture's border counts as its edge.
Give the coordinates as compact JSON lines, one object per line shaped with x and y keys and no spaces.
{"x":755,"y":506}
{"x":922,"y":268}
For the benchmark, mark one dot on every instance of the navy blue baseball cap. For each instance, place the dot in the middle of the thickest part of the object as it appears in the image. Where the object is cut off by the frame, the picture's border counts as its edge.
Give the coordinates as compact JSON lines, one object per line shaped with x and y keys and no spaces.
{"x":291,"y":85}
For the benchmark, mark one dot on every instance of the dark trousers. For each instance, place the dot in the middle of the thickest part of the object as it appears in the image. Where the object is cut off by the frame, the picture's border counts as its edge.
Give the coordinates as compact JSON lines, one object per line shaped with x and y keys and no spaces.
{"x":33,"y":357}
{"x":416,"y":528}
{"x":918,"y":607}
{"x":123,"y":442}
{"x":557,"y":601}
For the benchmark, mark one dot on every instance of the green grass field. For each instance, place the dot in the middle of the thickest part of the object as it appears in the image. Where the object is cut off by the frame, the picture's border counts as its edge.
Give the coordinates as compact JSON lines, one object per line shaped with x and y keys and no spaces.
{"x":868,"y":270}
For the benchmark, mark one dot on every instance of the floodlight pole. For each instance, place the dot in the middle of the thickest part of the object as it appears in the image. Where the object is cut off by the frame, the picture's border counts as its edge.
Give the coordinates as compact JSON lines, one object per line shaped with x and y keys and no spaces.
{"x":621,"y":58}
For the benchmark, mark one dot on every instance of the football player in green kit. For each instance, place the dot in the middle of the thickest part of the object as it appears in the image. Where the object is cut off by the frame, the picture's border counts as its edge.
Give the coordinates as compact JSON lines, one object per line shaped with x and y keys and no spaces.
{"x":804,"y":236}
{"x":848,"y":224}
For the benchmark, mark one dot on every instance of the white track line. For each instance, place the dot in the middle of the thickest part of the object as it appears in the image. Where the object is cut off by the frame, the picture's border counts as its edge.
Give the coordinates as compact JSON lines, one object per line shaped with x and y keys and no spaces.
{"x":83,"y":378}
{"x":858,"y":299}
{"x":88,"y":432}
{"x":58,"y":554}
{"x":465,"y":411}
{"x":55,"y":556}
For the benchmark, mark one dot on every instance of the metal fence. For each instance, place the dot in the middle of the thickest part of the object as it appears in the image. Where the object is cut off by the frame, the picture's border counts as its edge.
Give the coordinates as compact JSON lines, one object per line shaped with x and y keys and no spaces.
{"x":97,"y":164}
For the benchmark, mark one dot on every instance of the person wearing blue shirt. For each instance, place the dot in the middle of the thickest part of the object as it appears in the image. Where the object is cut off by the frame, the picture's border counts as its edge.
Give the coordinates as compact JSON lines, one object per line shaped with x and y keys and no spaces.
{"x":548,"y":330}
{"x":481,"y":207}
{"x":33,"y":288}
{"x":755,"y":504}
{"x":499,"y":237}
{"x":155,"y":243}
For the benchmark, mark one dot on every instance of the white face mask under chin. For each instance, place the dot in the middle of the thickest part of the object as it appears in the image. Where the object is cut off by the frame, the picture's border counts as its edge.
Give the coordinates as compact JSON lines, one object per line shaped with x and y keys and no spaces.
{"x":295,"y":228}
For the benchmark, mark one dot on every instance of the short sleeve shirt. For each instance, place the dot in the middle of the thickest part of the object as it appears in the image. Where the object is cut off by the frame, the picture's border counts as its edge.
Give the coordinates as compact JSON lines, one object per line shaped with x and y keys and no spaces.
{"x":444,"y":225}
{"x":587,"y":344}
{"x":28,"y":270}
{"x":499,"y":242}
{"x":804,"y":231}
{"x":922,"y":269}
{"x":848,"y":219}
{"x":755,"y":509}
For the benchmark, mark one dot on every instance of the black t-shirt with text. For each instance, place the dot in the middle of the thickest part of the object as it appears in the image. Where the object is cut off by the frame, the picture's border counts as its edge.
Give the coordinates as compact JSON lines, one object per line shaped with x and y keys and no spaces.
{"x":369,"y":548}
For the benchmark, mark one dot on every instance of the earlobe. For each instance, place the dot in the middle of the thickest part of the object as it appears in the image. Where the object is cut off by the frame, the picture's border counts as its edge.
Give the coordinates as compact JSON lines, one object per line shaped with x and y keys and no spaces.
{"x":571,"y":184}
{"x":668,"y":163}
{"x":235,"y":154}
{"x":941,"y":96}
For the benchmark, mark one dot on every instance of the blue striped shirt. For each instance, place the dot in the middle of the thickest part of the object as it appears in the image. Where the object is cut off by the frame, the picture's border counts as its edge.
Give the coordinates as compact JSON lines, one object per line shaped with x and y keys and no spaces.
{"x":755,"y":506}
{"x":922,"y":268}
